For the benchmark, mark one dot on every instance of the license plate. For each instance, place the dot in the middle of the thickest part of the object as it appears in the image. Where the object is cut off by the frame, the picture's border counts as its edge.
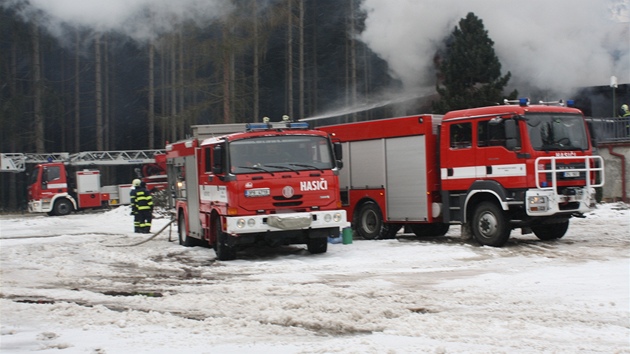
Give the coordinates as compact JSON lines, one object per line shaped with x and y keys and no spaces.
{"x":572,"y":174}
{"x":260,"y":192}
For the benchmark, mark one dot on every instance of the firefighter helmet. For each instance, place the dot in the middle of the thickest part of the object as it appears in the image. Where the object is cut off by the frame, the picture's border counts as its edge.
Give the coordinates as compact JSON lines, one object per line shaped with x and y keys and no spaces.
{"x":136,"y":182}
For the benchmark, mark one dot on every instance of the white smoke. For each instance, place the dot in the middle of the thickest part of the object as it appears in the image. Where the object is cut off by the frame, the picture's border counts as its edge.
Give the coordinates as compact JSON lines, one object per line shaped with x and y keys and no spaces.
{"x":139,"y":19}
{"x":554,"y":45}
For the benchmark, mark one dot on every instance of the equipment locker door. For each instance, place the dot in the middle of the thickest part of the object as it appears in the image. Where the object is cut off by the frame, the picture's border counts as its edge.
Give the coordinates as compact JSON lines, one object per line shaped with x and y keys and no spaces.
{"x":192,"y":197}
{"x":406,"y":176}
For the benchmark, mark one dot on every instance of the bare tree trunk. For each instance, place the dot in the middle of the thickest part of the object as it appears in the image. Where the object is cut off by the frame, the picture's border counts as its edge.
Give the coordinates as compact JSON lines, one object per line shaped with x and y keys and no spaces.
{"x":173,"y":91}
{"x":77,"y":95}
{"x":290,"y":60}
{"x":314,"y":86}
{"x":13,"y":200}
{"x":98,"y":92}
{"x":301,"y":59}
{"x":256,"y":63}
{"x":180,"y":84}
{"x":106,"y":113}
{"x":151,"y":108}
{"x":163,"y":101}
{"x":37,"y":91}
{"x":226,"y":76}
{"x":353,"y":60}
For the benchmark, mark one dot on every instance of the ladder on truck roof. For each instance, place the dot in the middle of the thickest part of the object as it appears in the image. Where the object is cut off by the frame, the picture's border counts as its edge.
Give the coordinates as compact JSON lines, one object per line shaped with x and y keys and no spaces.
{"x":16,"y":162}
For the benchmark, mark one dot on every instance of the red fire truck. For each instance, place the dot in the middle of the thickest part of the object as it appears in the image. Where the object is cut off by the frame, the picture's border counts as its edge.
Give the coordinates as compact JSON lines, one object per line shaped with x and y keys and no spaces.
{"x":55,"y":190}
{"x":489,"y":169}
{"x":275,"y":183}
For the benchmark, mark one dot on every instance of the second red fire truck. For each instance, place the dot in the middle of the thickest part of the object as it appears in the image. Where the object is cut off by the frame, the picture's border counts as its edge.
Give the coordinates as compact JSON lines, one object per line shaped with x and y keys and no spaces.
{"x":273,"y":183}
{"x":490,"y":169}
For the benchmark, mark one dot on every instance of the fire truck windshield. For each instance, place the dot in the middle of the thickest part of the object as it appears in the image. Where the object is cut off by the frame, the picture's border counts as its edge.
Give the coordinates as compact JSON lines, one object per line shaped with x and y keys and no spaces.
{"x":280,"y":153}
{"x":553,"y":132}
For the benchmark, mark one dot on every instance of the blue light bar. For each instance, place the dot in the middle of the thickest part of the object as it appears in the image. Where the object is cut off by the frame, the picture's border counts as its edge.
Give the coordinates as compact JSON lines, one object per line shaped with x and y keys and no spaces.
{"x":298,"y":125}
{"x":257,"y":126}
{"x":570,"y":103}
{"x":523,"y":102}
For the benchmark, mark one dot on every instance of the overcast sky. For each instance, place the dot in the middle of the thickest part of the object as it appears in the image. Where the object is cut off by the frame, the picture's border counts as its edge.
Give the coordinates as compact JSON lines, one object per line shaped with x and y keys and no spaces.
{"x":557,"y":45}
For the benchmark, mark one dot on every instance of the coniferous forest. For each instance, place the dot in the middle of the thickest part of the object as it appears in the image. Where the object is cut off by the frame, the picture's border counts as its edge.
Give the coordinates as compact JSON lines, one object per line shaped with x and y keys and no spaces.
{"x":107,"y":91}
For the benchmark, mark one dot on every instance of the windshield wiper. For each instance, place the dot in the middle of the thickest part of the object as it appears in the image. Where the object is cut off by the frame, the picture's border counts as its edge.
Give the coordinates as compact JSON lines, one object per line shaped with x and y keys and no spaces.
{"x":307,"y":166}
{"x":256,"y":168}
{"x":284,"y":167}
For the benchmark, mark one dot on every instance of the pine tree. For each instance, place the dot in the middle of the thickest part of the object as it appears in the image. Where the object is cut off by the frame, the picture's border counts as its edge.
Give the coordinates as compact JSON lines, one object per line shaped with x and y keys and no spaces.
{"x":470,"y":71}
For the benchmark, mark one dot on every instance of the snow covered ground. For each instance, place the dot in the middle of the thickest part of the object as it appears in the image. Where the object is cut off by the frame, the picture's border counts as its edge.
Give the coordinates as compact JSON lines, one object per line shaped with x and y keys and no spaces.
{"x":73,"y":285}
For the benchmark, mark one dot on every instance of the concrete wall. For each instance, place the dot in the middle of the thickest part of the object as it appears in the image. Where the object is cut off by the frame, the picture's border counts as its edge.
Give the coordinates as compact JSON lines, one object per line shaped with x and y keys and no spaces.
{"x":614,"y":165}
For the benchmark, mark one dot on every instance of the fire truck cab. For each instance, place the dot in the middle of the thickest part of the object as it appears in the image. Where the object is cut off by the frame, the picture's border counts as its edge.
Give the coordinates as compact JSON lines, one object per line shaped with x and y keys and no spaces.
{"x":269,"y":184}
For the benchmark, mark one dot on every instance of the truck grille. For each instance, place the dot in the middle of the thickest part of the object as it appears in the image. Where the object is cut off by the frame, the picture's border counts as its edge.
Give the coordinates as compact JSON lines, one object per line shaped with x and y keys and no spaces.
{"x":282,"y":202}
{"x":567,"y":172}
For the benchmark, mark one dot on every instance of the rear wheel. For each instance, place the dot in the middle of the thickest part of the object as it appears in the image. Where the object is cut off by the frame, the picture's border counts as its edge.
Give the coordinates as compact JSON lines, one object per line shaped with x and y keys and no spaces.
{"x":225,"y":250}
{"x":62,"y":207}
{"x":369,"y":221}
{"x":489,"y":225}
{"x":547,"y":232}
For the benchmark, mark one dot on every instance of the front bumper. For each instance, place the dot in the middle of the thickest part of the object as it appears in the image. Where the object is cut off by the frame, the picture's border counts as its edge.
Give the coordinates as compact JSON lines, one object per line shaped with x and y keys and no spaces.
{"x":546,"y":202}
{"x":282,"y":222}
{"x":40,"y":206}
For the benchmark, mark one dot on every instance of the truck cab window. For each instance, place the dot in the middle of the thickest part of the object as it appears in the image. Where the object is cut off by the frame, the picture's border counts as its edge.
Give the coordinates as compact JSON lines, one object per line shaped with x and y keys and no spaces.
{"x":491,"y":134}
{"x":207,"y":160}
{"x":461,"y":135}
{"x":51,"y":174}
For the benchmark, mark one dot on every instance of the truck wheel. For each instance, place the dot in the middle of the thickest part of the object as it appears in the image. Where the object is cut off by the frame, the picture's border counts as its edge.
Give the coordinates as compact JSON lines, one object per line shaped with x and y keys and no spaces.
{"x":547,"y":232}
{"x":489,"y":225}
{"x":369,"y":221}
{"x":430,"y":230}
{"x":62,"y":207}
{"x":317,"y":245}
{"x":184,"y":239}
{"x":223,"y":249}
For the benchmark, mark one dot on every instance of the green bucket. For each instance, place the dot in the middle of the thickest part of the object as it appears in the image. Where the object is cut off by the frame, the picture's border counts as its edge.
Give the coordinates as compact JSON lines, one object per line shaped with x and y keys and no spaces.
{"x":346,"y":236}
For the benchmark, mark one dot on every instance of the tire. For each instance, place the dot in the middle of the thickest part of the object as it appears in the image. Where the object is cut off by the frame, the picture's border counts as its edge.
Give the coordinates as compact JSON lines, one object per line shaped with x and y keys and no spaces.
{"x":184,"y":239}
{"x":222,"y":247}
{"x":430,"y":230}
{"x":548,"y":232}
{"x":317,"y":245}
{"x":369,"y":222}
{"x":489,"y":225}
{"x":62,"y":207}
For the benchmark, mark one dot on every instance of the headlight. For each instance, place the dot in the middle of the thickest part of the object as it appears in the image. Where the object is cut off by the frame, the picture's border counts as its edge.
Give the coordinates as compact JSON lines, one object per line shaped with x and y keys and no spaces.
{"x":327,"y":217}
{"x":337,"y":217}
{"x":240,"y":223}
{"x":537,"y":200}
{"x":251,"y":222}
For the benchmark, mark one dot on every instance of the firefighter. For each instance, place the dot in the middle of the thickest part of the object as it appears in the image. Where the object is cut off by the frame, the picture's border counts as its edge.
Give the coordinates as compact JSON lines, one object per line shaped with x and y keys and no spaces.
{"x":132,"y":196}
{"x":143,"y":203}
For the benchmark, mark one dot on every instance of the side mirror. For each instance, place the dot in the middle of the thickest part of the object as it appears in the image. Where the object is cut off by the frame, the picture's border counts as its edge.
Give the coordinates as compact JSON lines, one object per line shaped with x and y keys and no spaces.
{"x":338,"y":151}
{"x":217,"y":160}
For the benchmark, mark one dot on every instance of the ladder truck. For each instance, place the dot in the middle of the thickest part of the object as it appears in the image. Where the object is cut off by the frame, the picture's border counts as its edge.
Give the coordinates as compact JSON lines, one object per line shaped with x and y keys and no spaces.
{"x":489,"y":169}
{"x":60,"y":183}
{"x":237,"y":185}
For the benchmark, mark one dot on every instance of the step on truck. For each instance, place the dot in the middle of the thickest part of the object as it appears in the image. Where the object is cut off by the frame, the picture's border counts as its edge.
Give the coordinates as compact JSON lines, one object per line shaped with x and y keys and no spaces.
{"x":236,"y":185}
{"x":489,"y":169}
